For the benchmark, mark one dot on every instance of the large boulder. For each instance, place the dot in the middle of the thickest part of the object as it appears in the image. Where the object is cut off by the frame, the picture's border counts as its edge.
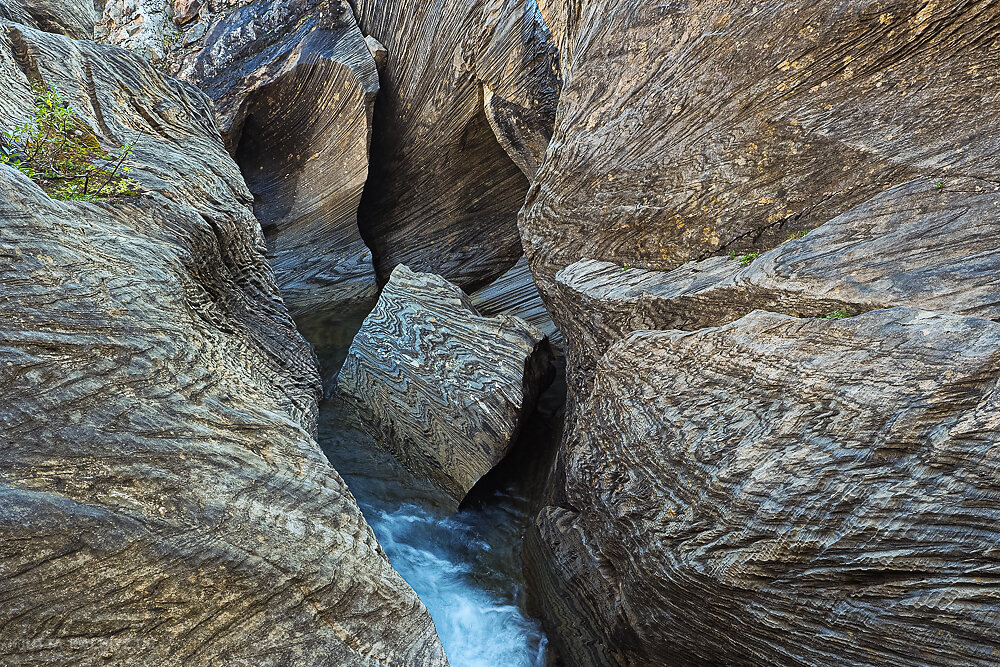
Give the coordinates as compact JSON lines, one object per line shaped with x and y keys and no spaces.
{"x":682,"y":133}
{"x":444,"y":194}
{"x":163,"y":498}
{"x":294,"y":87}
{"x":783,"y":491}
{"x":444,"y":389}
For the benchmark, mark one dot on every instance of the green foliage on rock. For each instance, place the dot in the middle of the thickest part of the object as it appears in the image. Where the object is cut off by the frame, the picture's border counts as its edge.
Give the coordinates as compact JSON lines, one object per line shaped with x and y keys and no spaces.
{"x":59,"y":152}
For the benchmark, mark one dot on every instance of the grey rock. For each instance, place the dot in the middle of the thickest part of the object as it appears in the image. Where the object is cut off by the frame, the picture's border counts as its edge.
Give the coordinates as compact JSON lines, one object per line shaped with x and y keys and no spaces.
{"x":442,"y":388}
{"x":163,"y":499}
{"x":783,"y":491}
{"x":74,"y":18}
{"x":294,"y":87}
{"x":927,"y":243}
{"x":515,"y":293}
{"x":443,"y":194}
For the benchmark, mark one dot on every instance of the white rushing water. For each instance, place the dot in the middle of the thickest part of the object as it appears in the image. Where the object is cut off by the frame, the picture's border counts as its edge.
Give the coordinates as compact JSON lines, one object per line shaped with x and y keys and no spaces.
{"x":465,"y":566}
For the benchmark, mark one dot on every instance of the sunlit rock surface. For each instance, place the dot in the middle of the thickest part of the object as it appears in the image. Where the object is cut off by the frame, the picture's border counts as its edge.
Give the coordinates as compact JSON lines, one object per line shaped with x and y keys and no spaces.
{"x":163,"y":499}
{"x":444,"y":389}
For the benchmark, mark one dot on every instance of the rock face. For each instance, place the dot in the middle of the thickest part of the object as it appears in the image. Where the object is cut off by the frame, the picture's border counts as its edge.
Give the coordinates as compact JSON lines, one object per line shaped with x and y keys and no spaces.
{"x":162,"y":494}
{"x":74,"y":18}
{"x":515,"y":293}
{"x":442,"y":388}
{"x":443,"y":193}
{"x":784,"y":491}
{"x":754,"y":494}
{"x":294,"y":86}
{"x":714,"y":140}
{"x":926,"y":243}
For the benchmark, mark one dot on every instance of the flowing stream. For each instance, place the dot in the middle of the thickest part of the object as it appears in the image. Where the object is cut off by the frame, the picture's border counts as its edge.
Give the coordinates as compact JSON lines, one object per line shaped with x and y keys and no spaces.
{"x":465,"y":566}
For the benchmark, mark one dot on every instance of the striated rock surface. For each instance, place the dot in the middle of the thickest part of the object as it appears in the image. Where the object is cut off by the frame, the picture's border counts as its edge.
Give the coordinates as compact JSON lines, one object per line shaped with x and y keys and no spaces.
{"x":784,"y":491}
{"x":444,"y":389}
{"x":294,"y":86}
{"x":515,"y":293}
{"x":927,"y":243}
{"x":683,"y":134}
{"x":443,"y":193}
{"x":74,"y":18}
{"x":162,"y":494}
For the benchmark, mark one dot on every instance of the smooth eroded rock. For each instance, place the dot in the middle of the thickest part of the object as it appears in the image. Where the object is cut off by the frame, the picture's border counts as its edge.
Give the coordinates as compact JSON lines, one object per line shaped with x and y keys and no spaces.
{"x":163,"y":499}
{"x":294,"y":85}
{"x":783,"y":491}
{"x":441,"y":387}
{"x":444,"y":193}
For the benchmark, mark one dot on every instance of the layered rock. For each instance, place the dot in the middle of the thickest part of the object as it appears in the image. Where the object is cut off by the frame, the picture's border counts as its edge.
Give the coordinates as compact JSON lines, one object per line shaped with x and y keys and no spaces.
{"x":443,"y":193}
{"x":682,"y":134}
{"x":928,"y":243}
{"x":784,"y":491}
{"x":163,"y":495}
{"x":74,"y":18}
{"x":294,"y":86}
{"x":444,"y":389}
{"x":515,"y":293}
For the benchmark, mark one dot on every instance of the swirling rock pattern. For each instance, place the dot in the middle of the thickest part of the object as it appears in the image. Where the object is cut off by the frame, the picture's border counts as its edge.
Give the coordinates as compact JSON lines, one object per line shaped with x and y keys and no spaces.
{"x":73,"y":18}
{"x":294,"y":86}
{"x":443,"y":194}
{"x":925,"y":243}
{"x":162,"y":497}
{"x":442,"y":388}
{"x":683,"y":134}
{"x":784,"y":491}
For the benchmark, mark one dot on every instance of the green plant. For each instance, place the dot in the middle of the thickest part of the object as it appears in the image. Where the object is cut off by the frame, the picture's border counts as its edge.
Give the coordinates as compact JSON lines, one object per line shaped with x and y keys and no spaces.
{"x":835,"y":315}
{"x":58,"y":151}
{"x":797,"y":235}
{"x":746,"y":259}
{"x":939,"y":185}
{"x":732,"y":254}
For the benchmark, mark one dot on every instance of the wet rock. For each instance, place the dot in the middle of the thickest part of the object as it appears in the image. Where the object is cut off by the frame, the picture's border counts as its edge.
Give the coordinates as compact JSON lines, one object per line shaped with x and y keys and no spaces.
{"x":294,"y":87}
{"x":443,"y":193}
{"x":784,"y":491}
{"x":162,"y":493}
{"x":444,"y":389}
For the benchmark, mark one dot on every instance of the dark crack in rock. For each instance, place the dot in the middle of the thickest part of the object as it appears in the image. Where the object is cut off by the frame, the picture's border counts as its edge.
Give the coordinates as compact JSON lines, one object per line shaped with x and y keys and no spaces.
{"x":163,"y":499}
{"x":443,"y":194}
{"x":444,"y":389}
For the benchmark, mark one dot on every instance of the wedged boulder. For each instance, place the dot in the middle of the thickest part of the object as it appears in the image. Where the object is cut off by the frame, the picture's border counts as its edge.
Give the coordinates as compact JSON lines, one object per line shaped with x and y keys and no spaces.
{"x":162,"y":494}
{"x":683,"y":134}
{"x":442,"y":388}
{"x":783,"y":491}
{"x":928,"y":243}
{"x":294,"y":86}
{"x":444,"y":194}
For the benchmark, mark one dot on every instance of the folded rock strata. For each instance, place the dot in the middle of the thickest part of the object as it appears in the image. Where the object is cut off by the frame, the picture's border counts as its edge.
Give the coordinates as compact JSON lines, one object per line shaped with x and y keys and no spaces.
{"x":926,"y":243}
{"x":294,"y":86}
{"x":444,"y":389}
{"x":683,"y":134}
{"x":73,"y":18}
{"x":784,"y":491}
{"x":443,"y":194}
{"x":515,"y":293}
{"x":162,"y":494}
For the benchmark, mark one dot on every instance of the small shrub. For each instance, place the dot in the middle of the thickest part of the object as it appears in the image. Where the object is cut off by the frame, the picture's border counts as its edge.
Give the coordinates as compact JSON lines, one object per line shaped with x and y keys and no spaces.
{"x":59,"y":152}
{"x":748,"y":258}
{"x":835,"y":315}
